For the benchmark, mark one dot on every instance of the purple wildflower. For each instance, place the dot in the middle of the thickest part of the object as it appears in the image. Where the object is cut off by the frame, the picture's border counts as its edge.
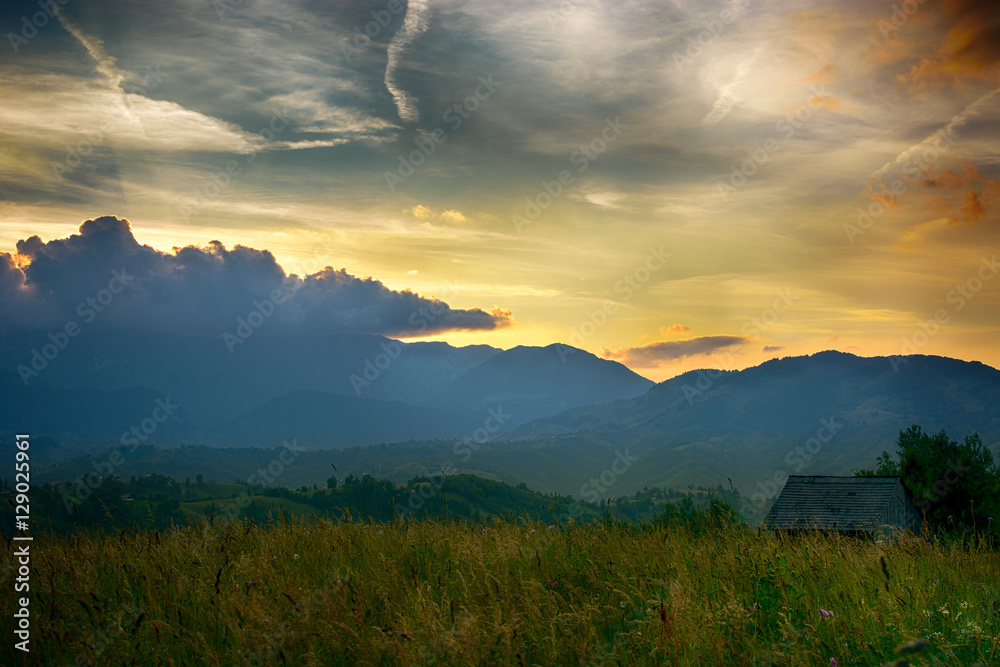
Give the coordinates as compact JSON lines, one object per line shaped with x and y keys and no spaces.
{"x":833,"y":662}
{"x":533,"y":531}
{"x":824,"y":613}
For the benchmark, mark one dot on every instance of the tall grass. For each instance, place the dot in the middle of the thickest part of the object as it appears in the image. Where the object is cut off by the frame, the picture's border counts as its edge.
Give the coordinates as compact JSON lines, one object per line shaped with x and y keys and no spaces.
{"x":316,"y":593}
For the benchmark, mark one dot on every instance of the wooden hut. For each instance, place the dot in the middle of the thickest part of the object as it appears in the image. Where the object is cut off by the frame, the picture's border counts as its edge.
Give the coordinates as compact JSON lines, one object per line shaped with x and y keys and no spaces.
{"x":858,"y":505}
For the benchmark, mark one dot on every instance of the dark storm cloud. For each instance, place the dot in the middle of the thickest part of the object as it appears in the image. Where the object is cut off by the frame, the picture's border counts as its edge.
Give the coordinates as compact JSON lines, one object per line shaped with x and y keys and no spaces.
{"x":203,"y":290}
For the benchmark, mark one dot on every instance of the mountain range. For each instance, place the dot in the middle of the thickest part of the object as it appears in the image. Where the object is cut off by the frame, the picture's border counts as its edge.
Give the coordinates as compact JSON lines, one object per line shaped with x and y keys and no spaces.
{"x":331,"y":391}
{"x":556,"y":418}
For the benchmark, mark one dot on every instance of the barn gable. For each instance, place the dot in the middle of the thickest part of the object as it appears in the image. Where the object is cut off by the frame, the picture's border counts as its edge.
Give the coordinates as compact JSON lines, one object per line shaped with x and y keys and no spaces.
{"x":852,"y":504}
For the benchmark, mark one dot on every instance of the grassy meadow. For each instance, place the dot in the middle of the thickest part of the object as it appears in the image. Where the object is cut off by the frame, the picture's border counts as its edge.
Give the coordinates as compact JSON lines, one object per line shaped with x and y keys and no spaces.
{"x":312,"y":592}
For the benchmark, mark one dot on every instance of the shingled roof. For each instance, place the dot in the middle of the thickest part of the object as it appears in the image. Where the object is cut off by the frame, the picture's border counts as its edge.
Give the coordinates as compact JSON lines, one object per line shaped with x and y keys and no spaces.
{"x":842,"y":503}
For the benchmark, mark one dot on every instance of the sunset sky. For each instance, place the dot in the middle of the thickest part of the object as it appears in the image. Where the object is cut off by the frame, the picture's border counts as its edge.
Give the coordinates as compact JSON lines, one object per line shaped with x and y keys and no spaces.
{"x":568,"y":173}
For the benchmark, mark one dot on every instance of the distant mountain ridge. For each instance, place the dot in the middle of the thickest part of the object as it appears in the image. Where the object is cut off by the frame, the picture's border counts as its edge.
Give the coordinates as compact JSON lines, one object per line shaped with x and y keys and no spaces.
{"x":532,"y":382}
{"x":828,"y":413}
{"x":334,"y":391}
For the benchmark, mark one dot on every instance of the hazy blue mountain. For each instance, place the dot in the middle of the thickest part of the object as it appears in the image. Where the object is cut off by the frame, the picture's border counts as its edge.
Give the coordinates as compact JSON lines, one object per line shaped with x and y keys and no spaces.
{"x":216,"y":385}
{"x":828,"y":413}
{"x":67,"y":422}
{"x":532,"y":382}
{"x":321,"y":420}
{"x":338,"y":391}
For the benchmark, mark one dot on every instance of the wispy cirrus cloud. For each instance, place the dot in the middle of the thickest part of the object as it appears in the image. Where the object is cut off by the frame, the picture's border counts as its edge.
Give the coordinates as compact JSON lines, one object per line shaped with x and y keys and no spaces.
{"x":414,"y":25}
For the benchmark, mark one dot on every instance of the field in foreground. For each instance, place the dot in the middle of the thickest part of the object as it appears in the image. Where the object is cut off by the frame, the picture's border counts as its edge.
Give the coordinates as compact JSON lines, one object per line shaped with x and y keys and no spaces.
{"x":505,"y":593}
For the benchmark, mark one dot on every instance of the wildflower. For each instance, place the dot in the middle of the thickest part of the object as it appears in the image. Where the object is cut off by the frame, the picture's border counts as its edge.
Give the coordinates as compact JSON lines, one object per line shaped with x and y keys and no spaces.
{"x":833,"y":662}
{"x":295,"y":556}
{"x":552,"y":527}
{"x":934,"y":581}
{"x":484,"y":531}
{"x":824,"y":613}
{"x":755,"y":606}
{"x":989,"y":518}
{"x":533,"y":531}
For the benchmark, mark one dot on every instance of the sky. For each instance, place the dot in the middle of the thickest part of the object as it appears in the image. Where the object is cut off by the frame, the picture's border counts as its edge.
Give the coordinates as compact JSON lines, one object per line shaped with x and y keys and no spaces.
{"x":672,"y":185}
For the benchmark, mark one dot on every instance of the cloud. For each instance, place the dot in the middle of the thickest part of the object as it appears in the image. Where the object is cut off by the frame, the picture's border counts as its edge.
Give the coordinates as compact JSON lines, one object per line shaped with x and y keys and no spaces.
{"x":970,"y":49}
{"x":203,"y":290}
{"x":954,"y":195}
{"x":773,"y":348}
{"x":454,"y":216}
{"x":421,"y":211}
{"x":413,"y":25}
{"x":674,"y":328}
{"x":427,"y":213}
{"x":107,"y":66}
{"x":655,"y":354}
{"x":728,"y":96}
{"x":957,"y":121}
